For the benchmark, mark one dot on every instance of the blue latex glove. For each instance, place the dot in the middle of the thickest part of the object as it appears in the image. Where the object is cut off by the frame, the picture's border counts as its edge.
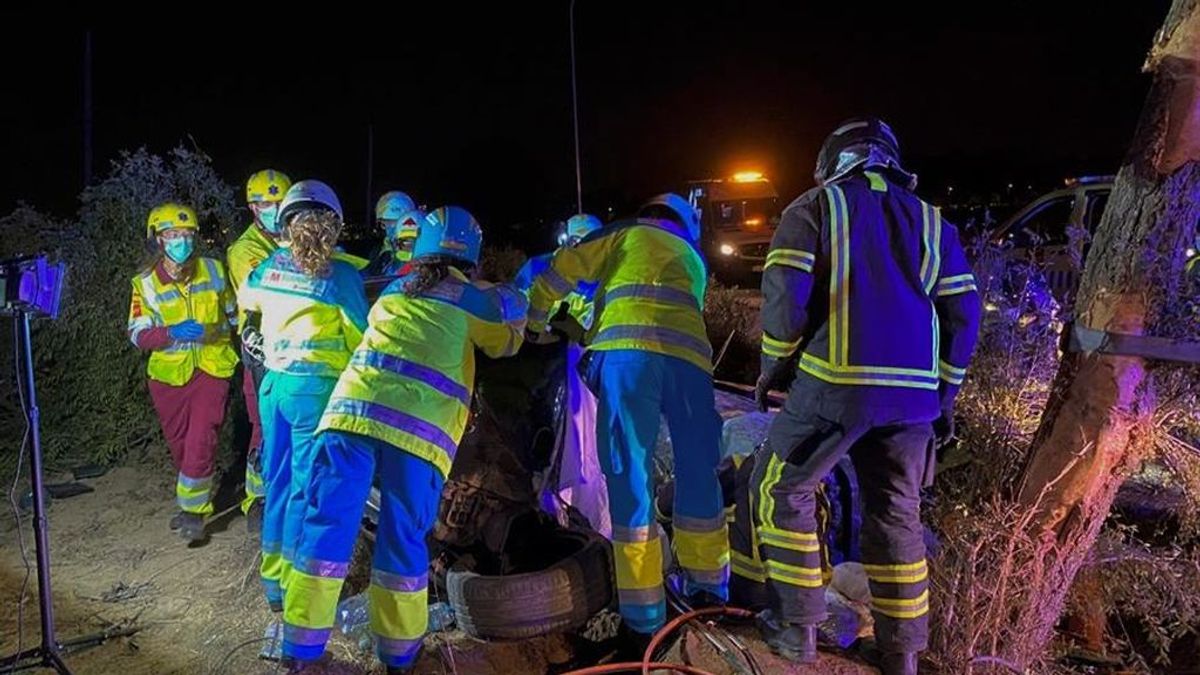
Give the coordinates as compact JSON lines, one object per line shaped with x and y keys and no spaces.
{"x":186,"y":331}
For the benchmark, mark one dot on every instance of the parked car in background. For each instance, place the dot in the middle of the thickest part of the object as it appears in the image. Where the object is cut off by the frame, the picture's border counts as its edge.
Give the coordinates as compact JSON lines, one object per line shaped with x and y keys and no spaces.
{"x":1052,"y":234}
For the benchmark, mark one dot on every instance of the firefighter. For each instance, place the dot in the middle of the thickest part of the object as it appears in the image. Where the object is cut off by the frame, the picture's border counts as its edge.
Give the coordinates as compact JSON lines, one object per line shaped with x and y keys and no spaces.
{"x":650,"y":356}
{"x":396,"y":416}
{"x":312,"y":310}
{"x":396,"y":217}
{"x":183,"y":312}
{"x":868,"y":302}
{"x":264,"y":191}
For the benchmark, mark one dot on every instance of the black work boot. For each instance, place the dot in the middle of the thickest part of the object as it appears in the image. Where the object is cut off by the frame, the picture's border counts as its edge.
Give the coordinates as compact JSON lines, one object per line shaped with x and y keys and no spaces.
{"x":794,"y":643}
{"x":901,"y":663}
{"x":191,"y":527}
{"x":176,"y":521}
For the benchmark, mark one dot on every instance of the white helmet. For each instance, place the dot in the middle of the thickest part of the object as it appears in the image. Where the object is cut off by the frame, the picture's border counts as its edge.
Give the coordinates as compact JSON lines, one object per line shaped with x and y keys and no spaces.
{"x":309,"y":194}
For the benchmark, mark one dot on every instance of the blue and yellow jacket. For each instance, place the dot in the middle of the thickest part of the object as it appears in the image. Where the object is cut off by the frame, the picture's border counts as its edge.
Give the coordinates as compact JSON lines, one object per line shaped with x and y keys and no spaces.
{"x":649,"y":281}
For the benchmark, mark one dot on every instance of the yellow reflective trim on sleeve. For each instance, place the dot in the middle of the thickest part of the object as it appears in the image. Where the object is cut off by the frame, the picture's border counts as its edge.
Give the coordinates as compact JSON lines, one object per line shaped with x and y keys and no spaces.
{"x":962,"y":283}
{"x":950,"y":373}
{"x":791,"y":257}
{"x":778,"y":348}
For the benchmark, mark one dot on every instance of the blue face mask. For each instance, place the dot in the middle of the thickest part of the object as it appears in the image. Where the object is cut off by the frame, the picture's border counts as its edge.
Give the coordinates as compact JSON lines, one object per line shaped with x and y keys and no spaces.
{"x":269,"y":219}
{"x":179,"y":250}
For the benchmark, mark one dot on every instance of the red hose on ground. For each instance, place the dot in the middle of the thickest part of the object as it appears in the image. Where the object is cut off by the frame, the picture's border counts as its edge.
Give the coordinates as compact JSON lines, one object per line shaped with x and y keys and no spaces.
{"x":647,"y":665}
{"x":635,"y":666}
{"x":682,"y":619}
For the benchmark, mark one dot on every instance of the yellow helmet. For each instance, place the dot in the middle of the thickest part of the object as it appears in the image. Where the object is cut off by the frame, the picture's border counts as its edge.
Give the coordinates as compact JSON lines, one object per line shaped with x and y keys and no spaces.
{"x":267,"y":185}
{"x":171,"y":216}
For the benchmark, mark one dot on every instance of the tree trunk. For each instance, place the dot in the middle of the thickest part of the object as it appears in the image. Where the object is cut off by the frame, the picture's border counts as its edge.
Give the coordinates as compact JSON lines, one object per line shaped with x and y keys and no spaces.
{"x":1092,"y":432}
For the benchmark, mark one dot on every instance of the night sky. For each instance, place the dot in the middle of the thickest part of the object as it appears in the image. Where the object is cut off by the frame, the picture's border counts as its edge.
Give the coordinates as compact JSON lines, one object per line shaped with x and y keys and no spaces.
{"x":472,"y":106}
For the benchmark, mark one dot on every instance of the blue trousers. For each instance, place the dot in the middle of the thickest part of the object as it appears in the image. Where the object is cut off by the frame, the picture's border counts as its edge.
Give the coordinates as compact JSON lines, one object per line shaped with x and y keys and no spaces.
{"x":635,"y":389}
{"x":410,"y":488}
{"x":290,"y":407}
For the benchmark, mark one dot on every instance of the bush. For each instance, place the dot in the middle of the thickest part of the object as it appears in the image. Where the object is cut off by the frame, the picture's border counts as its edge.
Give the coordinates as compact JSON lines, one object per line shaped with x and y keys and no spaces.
{"x":91,"y":381}
{"x":1143,"y":578}
{"x":731,"y":317}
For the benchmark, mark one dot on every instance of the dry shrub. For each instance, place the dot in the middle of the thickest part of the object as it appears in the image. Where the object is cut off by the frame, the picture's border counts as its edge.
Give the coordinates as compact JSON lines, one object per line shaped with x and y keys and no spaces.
{"x":983,"y":617}
{"x":731,"y":317}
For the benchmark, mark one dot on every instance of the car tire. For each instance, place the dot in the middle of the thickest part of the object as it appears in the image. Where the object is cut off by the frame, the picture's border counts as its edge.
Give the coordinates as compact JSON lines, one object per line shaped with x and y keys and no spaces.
{"x":561,"y":597}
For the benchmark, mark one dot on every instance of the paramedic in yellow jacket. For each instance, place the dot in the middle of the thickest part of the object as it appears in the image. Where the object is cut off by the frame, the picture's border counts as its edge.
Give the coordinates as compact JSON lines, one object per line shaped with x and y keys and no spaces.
{"x":397,"y":414}
{"x":264,"y":192}
{"x":183,"y":312}
{"x":313,"y":310}
{"x":650,"y":356}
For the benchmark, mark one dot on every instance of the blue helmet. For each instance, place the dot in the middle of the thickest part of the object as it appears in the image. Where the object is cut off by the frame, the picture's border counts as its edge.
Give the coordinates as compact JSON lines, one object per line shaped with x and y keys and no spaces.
{"x":580,"y":226}
{"x":449,"y":232}
{"x":392,"y":205}
{"x":680,"y":208}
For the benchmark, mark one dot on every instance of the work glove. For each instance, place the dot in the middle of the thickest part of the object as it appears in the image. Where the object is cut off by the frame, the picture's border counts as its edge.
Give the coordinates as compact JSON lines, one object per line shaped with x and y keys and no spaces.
{"x":186,"y":331}
{"x":943,"y":429}
{"x":570,"y":327}
{"x":762,"y":389}
{"x":772,"y":372}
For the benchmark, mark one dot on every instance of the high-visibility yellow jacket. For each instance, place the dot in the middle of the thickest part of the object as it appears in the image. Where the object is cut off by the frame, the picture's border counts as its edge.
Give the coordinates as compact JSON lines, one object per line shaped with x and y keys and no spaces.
{"x":410,"y":381}
{"x":159,"y":301}
{"x":310,"y":326}
{"x":248,"y":252}
{"x":649,"y":280}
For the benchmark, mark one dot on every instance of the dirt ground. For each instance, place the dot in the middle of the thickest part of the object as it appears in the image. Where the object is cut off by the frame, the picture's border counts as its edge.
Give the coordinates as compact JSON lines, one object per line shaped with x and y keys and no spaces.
{"x":200,"y":609}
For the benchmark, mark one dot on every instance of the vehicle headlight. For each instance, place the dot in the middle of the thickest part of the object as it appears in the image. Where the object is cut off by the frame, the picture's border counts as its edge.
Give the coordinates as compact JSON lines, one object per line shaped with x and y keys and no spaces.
{"x":726,"y":249}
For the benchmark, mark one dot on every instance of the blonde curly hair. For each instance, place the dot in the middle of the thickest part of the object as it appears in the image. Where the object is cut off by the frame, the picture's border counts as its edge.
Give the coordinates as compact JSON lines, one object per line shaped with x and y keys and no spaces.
{"x":312,"y":235}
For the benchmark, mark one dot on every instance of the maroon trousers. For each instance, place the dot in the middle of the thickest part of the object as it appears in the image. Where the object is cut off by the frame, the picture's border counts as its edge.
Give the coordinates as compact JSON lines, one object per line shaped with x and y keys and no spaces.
{"x":191,"y":418}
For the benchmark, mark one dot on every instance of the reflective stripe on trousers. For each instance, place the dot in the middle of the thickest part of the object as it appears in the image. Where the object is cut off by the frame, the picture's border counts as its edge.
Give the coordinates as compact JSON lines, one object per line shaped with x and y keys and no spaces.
{"x":635,"y":390}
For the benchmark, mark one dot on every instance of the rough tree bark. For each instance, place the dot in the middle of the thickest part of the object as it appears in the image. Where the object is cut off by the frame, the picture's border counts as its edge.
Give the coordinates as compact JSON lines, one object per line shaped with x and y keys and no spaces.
{"x":1091,"y":433}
